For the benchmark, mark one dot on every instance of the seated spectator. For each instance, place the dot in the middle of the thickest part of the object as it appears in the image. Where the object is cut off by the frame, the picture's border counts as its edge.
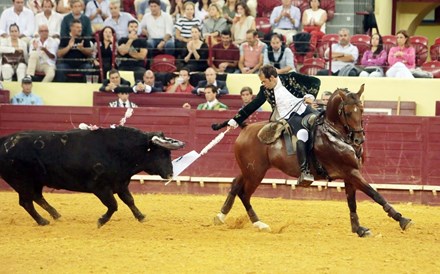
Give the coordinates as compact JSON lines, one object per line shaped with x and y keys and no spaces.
{"x":181,"y":84}
{"x":119,"y":20}
{"x":123,"y":98}
{"x":344,"y":56}
{"x":77,"y":7}
{"x":42,"y":54}
{"x":374,"y":59}
{"x":50,"y":18}
{"x":105,"y":50}
{"x":157,"y":26}
{"x":115,"y":80}
{"x":213,"y":25}
{"x":14,"y":55}
{"x":229,"y":11}
{"x":278,"y":55}
{"x":63,"y":7}
{"x":247,"y":96}
{"x":148,"y":84}
{"x":19,"y":15}
{"x":97,"y":11}
{"x":285,"y":20}
{"x":251,"y":53}
{"x":132,"y":51}
{"x":242,"y":23}
{"x":177,"y":10}
{"x":143,"y":8}
{"x":314,"y":20}
{"x":201,"y":10}
{"x":211,"y":101}
{"x":196,"y":55}
{"x":26,"y":97}
{"x":225,"y":55}
{"x":401,"y":58}
{"x":73,"y":53}
{"x":183,"y":29}
{"x":211,"y":79}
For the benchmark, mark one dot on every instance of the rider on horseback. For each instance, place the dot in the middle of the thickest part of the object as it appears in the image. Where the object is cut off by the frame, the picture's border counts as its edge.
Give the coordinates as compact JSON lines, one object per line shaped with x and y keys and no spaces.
{"x":284,"y":105}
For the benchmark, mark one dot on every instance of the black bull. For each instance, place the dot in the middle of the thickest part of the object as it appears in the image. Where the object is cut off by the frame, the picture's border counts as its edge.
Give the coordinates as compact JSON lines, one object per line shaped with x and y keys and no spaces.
{"x":99,"y":162}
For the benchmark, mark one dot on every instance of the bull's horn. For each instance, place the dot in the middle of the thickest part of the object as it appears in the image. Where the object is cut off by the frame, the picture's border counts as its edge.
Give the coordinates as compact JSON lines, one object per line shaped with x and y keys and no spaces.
{"x":168,"y":143}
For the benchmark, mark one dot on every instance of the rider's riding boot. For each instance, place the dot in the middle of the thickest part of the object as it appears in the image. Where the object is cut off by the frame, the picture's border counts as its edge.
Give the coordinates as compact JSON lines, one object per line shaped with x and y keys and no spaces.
{"x":305,"y":179}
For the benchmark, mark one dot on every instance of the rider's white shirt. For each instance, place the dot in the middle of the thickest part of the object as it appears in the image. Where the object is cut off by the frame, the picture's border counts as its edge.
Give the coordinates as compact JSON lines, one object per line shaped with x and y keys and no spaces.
{"x":286,"y":102}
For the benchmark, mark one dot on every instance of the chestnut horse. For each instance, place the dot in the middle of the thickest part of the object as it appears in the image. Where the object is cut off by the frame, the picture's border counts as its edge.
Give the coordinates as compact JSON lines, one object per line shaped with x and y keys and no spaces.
{"x":337,"y":147}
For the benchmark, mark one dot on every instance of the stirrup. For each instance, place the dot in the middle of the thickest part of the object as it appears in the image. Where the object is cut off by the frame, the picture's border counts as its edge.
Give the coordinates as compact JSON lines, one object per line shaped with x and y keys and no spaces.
{"x":305,"y":179}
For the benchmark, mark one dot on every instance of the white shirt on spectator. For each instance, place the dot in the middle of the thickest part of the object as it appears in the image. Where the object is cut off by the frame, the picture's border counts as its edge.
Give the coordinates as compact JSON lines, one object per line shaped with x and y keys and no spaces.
{"x":54,"y":22}
{"x":348,"y":49}
{"x":25,"y":21}
{"x":121,"y":25}
{"x":158,"y":27}
{"x":91,"y":9}
{"x":51,"y":45}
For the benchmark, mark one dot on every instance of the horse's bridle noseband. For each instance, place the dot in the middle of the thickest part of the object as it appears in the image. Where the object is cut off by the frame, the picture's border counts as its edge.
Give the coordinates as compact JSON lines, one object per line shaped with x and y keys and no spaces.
{"x":351,"y":131}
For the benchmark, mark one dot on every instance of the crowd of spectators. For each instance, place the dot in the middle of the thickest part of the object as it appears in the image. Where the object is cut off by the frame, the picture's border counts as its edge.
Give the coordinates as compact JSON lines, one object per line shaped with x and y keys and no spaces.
{"x":59,"y":40}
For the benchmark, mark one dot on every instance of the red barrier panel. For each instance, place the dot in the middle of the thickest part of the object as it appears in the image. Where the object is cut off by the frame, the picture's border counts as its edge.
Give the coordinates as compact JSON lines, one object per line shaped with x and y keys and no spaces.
{"x":400,"y":150}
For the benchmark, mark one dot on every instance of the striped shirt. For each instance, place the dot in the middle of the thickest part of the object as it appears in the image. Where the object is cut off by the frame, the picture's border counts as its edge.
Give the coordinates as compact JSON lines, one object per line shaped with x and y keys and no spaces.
{"x":184,"y":25}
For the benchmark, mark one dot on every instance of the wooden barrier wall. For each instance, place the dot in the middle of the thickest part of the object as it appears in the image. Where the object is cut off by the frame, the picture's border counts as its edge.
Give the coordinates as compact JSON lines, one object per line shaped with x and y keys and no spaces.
{"x":400,"y":150}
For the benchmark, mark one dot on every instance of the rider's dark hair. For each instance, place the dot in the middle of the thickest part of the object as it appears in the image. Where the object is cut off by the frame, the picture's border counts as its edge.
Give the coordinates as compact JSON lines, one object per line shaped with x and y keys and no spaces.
{"x":268,"y":71}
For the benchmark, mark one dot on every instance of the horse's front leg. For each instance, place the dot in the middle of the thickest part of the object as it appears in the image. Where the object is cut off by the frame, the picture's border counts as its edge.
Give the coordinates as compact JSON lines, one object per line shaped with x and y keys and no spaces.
{"x":360,"y":183}
{"x":350,"y":191}
{"x":236,"y":187}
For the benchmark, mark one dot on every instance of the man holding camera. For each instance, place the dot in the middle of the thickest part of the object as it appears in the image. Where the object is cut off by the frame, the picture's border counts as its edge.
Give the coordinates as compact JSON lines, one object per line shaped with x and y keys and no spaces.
{"x":182,"y":85}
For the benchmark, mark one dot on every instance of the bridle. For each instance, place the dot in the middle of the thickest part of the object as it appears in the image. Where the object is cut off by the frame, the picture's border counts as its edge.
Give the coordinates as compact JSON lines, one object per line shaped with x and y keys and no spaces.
{"x":351,"y":131}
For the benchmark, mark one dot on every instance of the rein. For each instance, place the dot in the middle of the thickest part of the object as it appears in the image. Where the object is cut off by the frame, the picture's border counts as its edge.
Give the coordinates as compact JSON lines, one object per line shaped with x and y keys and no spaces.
{"x":351,"y":131}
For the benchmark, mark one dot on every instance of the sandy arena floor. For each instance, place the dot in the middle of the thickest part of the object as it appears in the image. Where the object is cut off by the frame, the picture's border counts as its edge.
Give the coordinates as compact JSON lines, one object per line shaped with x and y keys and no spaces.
{"x":179,"y":237}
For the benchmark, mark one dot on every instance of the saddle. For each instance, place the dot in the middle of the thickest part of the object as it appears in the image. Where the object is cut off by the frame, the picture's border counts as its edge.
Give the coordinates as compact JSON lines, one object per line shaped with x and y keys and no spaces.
{"x":269,"y":133}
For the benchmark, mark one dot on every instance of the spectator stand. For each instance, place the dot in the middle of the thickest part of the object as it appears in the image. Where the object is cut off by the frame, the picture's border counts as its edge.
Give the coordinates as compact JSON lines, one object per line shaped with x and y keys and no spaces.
{"x":4,"y":96}
{"x":420,"y":44}
{"x":166,"y":100}
{"x":362,"y":42}
{"x":312,"y":65}
{"x":433,"y":67}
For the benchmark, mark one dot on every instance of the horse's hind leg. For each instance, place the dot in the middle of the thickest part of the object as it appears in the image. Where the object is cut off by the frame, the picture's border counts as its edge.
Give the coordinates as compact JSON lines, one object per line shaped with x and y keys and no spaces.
{"x":404,"y":223}
{"x":350,"y":191}
{"x":237,"y":186}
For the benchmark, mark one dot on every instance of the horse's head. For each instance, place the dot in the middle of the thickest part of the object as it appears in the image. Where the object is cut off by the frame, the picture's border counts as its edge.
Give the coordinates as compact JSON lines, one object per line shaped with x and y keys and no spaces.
{"x":344,"y":110}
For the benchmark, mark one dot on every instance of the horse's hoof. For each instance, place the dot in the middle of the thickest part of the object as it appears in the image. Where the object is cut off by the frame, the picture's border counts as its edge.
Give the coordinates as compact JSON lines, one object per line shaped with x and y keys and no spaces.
{"x":141,"y":218}
{"x":364,"y":232}
{"x":219,"y":219}
{"x":262,"y":226}
{"x":405,"y":223}
{"x":43,"y":222}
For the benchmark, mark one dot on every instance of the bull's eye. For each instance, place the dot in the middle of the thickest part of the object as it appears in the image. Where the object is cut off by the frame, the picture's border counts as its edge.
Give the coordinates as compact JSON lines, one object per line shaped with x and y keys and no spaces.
{"x":149,"y":149}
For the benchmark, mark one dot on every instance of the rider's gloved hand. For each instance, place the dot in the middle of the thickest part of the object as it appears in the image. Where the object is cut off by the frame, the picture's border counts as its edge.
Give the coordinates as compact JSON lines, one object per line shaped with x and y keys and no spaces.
{"x":232,"y":123}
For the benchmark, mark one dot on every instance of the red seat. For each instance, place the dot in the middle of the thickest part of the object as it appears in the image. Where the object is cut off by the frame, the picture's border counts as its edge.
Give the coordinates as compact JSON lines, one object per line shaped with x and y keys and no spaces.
{"x":362,"y":42}
{"x":312,"y":66}
{"x":389,"y":41}
{"x":265,"y":7}
{"x":163,"y":67}
{"x":437,"y":41}
{"x":433,"y":67}
{"x":434,"y":51}
{"x":263,"y":25}
{"x":300,"y":56}
{"x":324,"y":44}
{"x":164,"y":58}
{"x":420,"y":44}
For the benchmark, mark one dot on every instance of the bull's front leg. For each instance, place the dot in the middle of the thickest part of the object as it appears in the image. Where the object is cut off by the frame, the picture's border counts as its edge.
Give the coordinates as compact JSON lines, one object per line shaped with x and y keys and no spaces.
{"x":107,"y":198}
{"x":361,"y":231}
{"x":127,"y":198}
